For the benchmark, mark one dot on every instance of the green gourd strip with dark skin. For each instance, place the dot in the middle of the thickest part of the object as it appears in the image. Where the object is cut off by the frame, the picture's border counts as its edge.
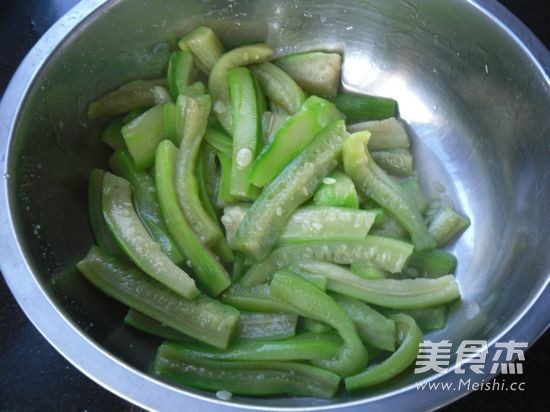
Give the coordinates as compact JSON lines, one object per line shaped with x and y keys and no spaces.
{"x":337,"y":190}
{"x":271,"y":123}
{"x":251,"y":326}
{"x":246,"y":131}
{"x":279,"y":86}
{"x":386,"y":134}
{"x":224,"y":185}
{"x":426,"y":319}
{"x":261,"y":102}
{"x":319,"y":281}
{"x":223,"y":146}
{"x":315,"y":304}
{"x":365,"y":107}
{"x":195,"y":117}
{"x":388,"y":226}
{"x":143,"y":134}
{"x":391,"y":293}
{"x":314,"y":326}
{"x":398,"y":162}
{"x":219,"y":140}
{"x":132,"y":95}
{"x":205,"y":47}
{"x":218,"y":83}
{"x":239,"y":266}
{"x":133,"y":114}
{"x":147,"y":324}
{"x":223,"y":251}
{"x":136,"y":242}
{"x":113,"y":130}
{"x":146,"y":203}
{"x":208,"y":270}
{"x":366,"y":270}
{"x":400,"y":360}
{"x":266,"y":218}
{"x":195,"y":89}
{"x":389,"y":254}
{"x":180,"y":72}
{"x":309,"y":223}
{"x":207,"y":178}
{"x":291,"y":138}
{"x":312,"y":346}
{"x":377,"y":185}
{"x":431,"y":263}
{"x":206,"y":181}
{"x":202,"y":318}
{"x":102,"y":234}
{"x":412,"y":189}
{"x":161,"y":95}
{"x":374,"y":328}
{"x":445,"y":224}
{"x":208,"y":174}
{"x":252,"y":378}
{"x":169,"y":121}
{"x":316,"y":72}
{"x":112,"y":136}
{"x":254,"y":299}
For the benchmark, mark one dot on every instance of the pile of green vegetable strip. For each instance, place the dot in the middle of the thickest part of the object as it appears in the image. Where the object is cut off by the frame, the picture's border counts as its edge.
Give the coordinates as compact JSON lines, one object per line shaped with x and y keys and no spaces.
{"x":266,"y":224}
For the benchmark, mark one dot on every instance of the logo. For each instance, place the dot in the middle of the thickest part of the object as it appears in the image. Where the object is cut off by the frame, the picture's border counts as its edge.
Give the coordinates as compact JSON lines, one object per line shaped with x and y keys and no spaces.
{"x":472,"y":355}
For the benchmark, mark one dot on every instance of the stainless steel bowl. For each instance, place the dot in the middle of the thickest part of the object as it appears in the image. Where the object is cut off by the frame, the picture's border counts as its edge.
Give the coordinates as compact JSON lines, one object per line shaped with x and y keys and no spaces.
{"x":471,"y":81}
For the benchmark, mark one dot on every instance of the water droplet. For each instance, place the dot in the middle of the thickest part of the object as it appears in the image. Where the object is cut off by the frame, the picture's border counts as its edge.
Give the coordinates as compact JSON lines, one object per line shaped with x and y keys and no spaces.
{"x":472,"y":311}
{"x":244,"y":157}
{"x":219,"y":107}
{"x":224,"y":395}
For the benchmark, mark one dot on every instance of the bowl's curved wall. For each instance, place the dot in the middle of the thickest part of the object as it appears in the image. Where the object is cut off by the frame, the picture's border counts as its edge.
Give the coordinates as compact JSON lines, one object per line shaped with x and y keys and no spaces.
{"x":476,"y":102}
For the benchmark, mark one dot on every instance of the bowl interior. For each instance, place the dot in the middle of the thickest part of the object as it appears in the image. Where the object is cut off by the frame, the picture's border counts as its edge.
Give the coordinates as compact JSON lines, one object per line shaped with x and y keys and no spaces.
{"x":475,"y":103}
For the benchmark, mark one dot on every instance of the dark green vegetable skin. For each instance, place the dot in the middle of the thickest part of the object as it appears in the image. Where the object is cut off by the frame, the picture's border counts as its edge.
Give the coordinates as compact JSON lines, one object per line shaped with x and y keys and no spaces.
{"x":377,"y":185}
{"x":102,"y":233}
{"x":266,"y":219}
{"x":247,"y":131}
{"x":251,"y":378}
{"x":308,"y":347}
{"x":291,"y":138}
{"x":202,"y":318}
{"x":396,"y":363}
{"x":194,"y":114}
{"x":146,"y":203}
{"x":209,"y":271}
{"x":180,"y":72}
{"x":133,"y":95}
{"x":364,"y":107}
{"x":315,"y":304}
{"x":133,"y":238}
